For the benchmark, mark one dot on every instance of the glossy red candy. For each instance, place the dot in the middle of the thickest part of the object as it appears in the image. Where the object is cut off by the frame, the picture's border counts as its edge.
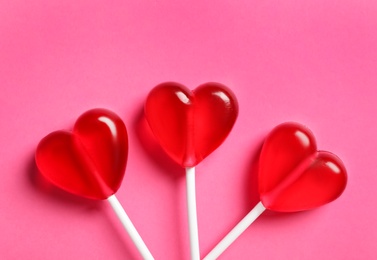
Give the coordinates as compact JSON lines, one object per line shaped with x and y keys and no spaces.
{"x":91,"y":160}
{"x":190,"y":125}
{"x":293,"y":175}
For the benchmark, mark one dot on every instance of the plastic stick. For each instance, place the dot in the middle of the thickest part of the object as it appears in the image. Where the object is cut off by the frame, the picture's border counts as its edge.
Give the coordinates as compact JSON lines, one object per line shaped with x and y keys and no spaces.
{"x":236,"y":232}
{"x":192,"y":217}
{"x":130,"y":228}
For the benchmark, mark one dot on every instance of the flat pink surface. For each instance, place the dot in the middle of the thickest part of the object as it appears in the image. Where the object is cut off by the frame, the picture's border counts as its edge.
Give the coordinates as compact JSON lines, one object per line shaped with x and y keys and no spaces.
{"x":310,"y":61}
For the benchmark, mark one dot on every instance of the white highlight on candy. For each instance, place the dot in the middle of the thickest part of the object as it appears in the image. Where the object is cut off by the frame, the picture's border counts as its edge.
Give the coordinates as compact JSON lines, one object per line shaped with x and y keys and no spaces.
{"x":130,"y":228}
{"x":192,"y":216}
{"x":236,"y":232}
{"x":110,"y":124}
{"x":303,"y":138}
{"x":183,"y":98}
{"x":333,"y":167}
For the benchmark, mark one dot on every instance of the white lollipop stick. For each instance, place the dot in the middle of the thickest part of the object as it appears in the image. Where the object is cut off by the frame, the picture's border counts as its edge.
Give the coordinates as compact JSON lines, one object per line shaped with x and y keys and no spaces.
{"x":130,"y":228}
{"x":236,"y":232}
{"x":192,"y":217}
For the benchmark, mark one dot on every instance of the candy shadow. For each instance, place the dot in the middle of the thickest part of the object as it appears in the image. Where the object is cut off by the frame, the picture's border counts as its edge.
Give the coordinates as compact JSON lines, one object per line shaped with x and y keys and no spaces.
{"x":251,"y":180}
{"x":170,"y":171}
{"x":52,"y":193}
{"x":48,"y":191}
{"x":153,"y":149}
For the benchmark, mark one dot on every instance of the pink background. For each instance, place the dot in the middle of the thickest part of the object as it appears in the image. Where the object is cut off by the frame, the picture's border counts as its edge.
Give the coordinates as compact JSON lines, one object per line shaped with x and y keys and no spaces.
{"x":313,"y":62}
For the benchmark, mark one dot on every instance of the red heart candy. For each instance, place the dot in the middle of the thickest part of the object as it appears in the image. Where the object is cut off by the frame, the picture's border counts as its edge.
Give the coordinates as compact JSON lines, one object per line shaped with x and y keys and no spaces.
{"x":91,"y":160}
{"x":293,"y":175}
{"x":190,"y":124}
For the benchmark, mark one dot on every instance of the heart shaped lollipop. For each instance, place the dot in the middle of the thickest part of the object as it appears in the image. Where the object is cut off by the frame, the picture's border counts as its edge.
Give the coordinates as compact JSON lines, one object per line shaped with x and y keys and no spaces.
{"x":90,"y":162}
{"x":293,"y":176}
{"x":190,"y":125}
